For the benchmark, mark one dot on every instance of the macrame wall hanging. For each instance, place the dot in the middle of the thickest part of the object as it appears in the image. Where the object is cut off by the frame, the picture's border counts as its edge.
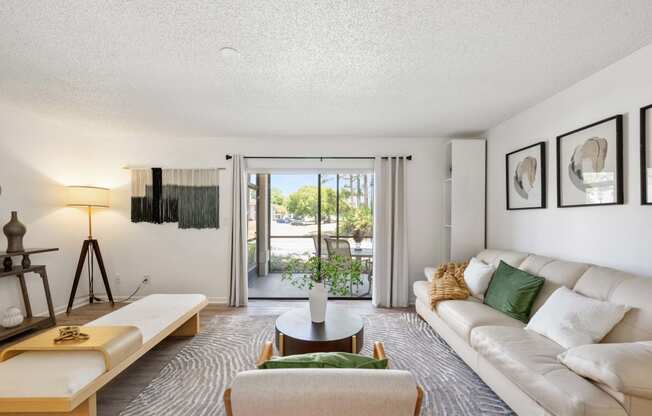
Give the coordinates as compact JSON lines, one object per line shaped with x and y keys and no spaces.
{"x":189,"y":197}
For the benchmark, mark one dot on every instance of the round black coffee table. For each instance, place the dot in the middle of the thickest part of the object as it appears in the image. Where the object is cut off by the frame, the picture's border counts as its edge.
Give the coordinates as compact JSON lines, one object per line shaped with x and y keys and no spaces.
{"x":297,"y":334}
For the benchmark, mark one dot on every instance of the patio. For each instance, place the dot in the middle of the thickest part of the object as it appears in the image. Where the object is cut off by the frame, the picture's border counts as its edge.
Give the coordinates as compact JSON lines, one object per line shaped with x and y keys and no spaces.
{"x":271,"y":286}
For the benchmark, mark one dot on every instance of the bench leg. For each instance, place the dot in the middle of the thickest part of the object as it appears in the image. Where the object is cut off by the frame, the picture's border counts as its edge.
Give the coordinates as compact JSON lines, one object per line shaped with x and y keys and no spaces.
{"x":188,"y":329}
{"x":87,"y":408}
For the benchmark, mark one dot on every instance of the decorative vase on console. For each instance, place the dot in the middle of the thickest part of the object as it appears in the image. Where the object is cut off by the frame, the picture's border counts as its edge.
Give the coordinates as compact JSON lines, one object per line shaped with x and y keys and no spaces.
{"x":12,"y":318}
{"x":14,"y":231}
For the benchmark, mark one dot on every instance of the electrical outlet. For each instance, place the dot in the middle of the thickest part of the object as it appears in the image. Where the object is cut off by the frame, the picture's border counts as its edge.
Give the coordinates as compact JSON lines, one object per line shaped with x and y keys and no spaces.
{"x":147,"y":280}
{"x":117,"y":279}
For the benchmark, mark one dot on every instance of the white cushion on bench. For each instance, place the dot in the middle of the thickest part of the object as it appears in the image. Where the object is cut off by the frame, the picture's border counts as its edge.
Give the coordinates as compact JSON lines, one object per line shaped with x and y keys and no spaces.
{"x":49,"y":374}
{"x":151,"y":314}
{"x":62,"y":374}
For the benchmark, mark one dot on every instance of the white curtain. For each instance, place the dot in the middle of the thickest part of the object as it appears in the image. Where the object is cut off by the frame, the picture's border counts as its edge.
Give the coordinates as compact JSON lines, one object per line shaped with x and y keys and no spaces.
{"x":238,"y":283}
{"x":391,"y":281}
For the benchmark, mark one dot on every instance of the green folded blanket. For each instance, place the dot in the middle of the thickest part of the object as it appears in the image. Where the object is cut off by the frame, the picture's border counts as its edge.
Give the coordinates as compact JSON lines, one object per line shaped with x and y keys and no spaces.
{"x":325,"y":360}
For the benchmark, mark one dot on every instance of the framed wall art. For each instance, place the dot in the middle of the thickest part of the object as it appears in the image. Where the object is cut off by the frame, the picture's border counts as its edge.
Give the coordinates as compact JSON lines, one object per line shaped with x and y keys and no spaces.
{"x":526,"y":177}
{"x":646,"y":155}
{"x":590,"y":165}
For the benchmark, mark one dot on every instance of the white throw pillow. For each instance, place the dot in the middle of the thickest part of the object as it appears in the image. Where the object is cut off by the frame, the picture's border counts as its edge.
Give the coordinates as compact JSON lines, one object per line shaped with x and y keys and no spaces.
{"x":571,"y":319}
{"x":624,"y":367}
{"x":477,"y":276}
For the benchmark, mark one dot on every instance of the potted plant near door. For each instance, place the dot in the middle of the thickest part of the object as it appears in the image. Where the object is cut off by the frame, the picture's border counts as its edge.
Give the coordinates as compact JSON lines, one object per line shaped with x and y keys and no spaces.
{"x":321,"y":276}
{"x":358,"y":223}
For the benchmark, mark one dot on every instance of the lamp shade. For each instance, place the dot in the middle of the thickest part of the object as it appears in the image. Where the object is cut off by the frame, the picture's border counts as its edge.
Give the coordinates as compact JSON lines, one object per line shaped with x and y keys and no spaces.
{"x":87,"y":196}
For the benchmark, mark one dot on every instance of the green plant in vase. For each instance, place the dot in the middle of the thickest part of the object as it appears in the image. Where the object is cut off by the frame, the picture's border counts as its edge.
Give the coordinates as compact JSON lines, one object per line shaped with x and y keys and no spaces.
{"x":320,"y":276}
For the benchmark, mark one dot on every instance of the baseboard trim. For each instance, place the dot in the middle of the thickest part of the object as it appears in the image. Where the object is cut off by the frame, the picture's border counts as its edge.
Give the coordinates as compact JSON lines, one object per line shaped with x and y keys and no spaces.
{"x":211,"y":299}
{"x":78,"y":303}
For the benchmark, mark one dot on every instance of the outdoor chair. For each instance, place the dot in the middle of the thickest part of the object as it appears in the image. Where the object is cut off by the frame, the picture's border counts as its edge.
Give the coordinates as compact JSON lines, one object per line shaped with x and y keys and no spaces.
{"x":341,"y":247}
{"x":324,"y":245}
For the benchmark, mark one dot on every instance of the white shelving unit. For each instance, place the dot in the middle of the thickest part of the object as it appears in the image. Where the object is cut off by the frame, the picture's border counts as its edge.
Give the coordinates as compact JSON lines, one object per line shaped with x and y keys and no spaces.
{"x":463,"y":198}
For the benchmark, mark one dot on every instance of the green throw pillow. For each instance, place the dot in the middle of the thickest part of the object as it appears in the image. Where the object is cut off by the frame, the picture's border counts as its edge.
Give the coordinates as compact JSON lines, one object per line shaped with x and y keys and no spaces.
{"x":324,"y":360}
{"x":513,"y":291}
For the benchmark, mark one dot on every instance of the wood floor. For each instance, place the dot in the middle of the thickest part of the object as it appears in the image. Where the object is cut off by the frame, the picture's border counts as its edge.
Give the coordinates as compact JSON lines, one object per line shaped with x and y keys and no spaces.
{"x":113,"y":398}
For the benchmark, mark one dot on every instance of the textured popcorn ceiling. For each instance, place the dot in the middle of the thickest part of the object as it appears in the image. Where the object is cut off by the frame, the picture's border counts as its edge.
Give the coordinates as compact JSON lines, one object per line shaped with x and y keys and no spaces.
{"x":353,"y":68}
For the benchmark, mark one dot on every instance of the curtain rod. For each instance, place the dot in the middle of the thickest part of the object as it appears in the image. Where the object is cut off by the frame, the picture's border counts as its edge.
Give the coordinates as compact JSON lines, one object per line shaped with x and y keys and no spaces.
{"x":128,"y":167}
{"x":229,"y":157}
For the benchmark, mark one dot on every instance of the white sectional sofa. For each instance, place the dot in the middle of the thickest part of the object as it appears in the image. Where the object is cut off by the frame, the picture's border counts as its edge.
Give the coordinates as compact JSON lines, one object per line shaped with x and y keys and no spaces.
{"x":522,"y":366}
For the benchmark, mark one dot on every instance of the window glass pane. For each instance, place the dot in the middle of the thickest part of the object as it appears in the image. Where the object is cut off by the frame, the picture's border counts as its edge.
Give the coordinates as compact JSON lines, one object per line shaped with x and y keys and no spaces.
{"x":251,"y":254}
{"x":251,"y":228}
{"x":252,"y":180}
{"x":356,"y":206}
{"x":251,"y":214}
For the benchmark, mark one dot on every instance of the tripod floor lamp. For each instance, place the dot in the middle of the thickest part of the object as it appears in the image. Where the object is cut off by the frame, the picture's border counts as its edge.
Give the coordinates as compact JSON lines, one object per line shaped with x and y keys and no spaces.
{"x":90,"y":197}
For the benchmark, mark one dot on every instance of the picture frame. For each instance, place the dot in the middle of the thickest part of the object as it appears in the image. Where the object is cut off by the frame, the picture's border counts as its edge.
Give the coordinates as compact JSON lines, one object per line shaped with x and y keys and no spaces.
{"x":590,"y":165}
{"x":526,"y":178}
{"x":646,"y":162}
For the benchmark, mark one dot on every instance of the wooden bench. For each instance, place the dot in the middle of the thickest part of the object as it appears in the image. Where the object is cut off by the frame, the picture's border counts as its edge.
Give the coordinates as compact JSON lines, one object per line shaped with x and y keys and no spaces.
{"x":66,"y":382}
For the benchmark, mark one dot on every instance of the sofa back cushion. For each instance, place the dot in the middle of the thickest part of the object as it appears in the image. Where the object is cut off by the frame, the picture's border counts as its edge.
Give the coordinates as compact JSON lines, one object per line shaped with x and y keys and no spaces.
{"x":556,"y":273}
{"x":626,"y":289}
{"x":493,"y":257}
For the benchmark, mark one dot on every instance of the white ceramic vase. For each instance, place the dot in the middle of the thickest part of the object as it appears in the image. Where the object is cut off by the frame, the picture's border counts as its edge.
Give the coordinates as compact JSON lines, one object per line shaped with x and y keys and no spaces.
{"x":13,"y":317}
{"x":318,"y":299}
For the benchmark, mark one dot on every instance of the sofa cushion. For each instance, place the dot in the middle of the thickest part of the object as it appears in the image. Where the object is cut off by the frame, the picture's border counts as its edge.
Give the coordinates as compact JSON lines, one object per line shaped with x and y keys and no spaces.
{"x":556,"y":272}
{"x":530,"y":361}
{"x":626,"y":289}
{"x":637,"y":324}
{"x":493,"y":257}
{"x":421,"y":290}
{"x":624,"y":367}
{"x":464,"y":315}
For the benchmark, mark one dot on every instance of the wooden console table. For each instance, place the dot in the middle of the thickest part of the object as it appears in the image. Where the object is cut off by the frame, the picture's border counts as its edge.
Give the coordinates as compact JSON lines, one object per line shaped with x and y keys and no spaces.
{"x":8,"y":269}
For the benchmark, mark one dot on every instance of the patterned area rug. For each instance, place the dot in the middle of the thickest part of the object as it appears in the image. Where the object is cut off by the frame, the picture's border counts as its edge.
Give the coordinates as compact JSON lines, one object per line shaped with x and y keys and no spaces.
{"x":194,"y":381}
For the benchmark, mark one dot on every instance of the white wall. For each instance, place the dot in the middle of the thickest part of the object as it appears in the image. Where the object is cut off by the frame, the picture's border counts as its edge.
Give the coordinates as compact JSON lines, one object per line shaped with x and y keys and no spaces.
{"x":39,"y":154}
{"x":615,"y":236}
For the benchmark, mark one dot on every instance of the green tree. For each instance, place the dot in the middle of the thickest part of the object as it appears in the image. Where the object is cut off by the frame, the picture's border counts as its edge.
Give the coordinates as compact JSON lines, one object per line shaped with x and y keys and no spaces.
{"x":303,"y":202}
{"x":277,"y":197}
{"x":360,"y":219}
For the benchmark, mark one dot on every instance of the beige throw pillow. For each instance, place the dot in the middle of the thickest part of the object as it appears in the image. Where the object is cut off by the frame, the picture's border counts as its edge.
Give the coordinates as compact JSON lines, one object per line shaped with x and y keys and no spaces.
{"x":625,"y":367}
{"x":448,"y":283}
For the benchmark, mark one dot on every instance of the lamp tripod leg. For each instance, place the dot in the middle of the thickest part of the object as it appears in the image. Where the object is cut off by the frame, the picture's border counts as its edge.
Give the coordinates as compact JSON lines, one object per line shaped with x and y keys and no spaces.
{"x":100,"y":264}
{"x":80,"y":266}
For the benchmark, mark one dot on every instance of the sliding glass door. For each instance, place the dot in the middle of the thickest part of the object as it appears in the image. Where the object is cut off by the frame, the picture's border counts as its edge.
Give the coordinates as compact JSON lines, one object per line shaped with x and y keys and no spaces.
{"x":302,"y":207}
